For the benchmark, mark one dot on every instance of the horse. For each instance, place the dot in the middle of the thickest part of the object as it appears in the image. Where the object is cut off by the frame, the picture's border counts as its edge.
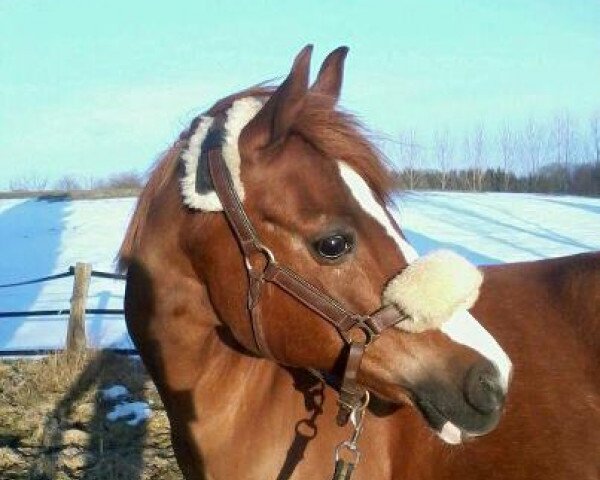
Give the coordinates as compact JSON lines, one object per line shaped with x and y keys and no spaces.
{"x":265,"y":274}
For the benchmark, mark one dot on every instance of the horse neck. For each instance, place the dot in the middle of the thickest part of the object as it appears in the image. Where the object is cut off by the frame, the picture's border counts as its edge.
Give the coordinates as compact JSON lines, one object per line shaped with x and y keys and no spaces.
{"x":233,"y":374}
{"x":186,"y":347}
{"x":240,"y":381}
{"x":214,"y":392}
{"x":204,"y":369}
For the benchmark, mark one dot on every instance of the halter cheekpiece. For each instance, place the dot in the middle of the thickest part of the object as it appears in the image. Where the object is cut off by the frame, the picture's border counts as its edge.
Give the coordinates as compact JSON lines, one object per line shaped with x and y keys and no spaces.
{"x":356,"y":330}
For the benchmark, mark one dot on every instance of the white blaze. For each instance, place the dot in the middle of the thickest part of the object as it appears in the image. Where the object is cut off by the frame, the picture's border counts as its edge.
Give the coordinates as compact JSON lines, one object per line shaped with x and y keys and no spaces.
{"x":462,"y":326}
{"x":364,"y":196}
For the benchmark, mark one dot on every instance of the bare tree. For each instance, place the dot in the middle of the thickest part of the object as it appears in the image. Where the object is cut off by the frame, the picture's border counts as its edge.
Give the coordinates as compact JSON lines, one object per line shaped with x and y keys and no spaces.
{"x":128,"y":179}
{"x":508,"y":147}
{"x":90,"y":182}
{"x":410,"y":157}
{"x":478,"y":145}
{"x":473,"y":150}
{"x":443,"y":153}
{"x":28,"y":183}
{"x":595,"y":131}
{"x":562,"y":139}
{"x":67,"y":183}
{"x":532,"y":142}
{"x":467,"y":180}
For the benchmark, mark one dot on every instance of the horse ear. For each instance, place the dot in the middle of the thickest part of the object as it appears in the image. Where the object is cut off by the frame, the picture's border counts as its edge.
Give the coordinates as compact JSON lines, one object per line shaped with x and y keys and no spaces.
{"x":329,"y":80}
{"x":272,"y":123}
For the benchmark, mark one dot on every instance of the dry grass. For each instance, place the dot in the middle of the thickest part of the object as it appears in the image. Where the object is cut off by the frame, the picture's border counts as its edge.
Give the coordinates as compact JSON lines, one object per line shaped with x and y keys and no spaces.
{"x":53,"y":421}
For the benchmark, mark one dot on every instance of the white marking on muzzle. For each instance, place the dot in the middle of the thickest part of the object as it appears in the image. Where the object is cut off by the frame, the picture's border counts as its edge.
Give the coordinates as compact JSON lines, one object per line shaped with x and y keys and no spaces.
{"x":460,"y":325}
{"x":463,"y":328}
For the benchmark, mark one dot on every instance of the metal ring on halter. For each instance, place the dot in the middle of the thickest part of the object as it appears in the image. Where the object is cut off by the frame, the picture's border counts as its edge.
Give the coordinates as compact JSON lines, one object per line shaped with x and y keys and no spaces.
{"x":360,"y":324}
{"x":310,"y":425}
{"x":256,"y":273}
{"x":268,"y":254}
{"x":370,"y":334}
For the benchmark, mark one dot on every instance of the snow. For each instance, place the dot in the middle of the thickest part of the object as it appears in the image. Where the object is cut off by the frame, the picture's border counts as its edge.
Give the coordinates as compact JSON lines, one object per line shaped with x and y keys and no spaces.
{"x":136,"y":412}
{"x":40,"y":237}
{"x":492,"y":228}
{"x":114,"y":393}
{"x":123,"y":409}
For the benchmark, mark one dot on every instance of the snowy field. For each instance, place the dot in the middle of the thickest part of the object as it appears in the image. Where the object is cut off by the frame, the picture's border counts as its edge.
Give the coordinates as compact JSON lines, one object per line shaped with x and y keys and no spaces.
{"x":40,"y":238}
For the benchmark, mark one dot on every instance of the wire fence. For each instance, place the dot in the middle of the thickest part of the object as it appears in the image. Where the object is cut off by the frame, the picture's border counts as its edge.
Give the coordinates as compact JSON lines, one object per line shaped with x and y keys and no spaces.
{"x":82,"y":273}
{"x":69,"y":273}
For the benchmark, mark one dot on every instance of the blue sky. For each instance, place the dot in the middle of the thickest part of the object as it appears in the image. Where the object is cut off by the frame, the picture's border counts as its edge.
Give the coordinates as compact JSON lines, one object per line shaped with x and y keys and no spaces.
{"x":90,"y":88}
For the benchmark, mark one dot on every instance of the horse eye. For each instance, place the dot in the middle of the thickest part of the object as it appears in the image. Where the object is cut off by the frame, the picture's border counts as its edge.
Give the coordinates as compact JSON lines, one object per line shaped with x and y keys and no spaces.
{"x":334,"y":246}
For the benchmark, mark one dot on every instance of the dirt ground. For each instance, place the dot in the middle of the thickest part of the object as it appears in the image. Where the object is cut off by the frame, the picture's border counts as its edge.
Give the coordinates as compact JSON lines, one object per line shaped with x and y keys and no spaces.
{"x":54,"y":425}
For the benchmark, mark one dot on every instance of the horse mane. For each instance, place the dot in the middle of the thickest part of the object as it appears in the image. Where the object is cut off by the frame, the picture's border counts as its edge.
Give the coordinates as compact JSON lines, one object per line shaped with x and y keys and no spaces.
{"x":336,"y":134}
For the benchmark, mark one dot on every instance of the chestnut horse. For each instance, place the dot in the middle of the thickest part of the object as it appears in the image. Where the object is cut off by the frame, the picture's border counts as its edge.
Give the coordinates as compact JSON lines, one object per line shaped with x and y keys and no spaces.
{"x":240,"y":399}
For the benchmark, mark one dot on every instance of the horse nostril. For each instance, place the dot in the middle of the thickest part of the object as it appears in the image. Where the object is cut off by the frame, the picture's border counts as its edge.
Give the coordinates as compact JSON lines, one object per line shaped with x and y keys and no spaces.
{"x":483,"y":390}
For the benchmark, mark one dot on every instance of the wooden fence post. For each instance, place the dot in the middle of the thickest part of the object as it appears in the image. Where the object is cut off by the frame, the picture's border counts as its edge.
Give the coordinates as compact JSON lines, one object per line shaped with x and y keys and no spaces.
{"x":76,"y":340}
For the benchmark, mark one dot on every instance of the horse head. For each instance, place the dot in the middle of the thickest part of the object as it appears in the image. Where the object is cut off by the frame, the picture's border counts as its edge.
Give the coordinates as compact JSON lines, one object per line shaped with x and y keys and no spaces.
{"x":316,"y":192}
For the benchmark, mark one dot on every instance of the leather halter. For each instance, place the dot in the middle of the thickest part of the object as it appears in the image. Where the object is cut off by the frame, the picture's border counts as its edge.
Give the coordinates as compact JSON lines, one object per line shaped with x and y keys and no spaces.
{"x":357,"y":330}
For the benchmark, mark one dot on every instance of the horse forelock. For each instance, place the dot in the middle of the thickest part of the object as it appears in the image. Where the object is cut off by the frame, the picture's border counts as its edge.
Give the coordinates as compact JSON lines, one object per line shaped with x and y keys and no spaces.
{"x":336,"y":133}
{"x":339,"y":135}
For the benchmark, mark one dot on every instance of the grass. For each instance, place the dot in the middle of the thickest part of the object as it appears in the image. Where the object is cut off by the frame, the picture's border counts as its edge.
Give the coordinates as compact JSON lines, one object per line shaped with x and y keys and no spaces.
{"x":53,"y":421}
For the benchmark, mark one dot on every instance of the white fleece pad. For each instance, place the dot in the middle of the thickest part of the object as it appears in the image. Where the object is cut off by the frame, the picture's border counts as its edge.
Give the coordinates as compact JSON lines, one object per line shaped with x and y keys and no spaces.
{"x":432,"y":289}
{"x":237,"y":117}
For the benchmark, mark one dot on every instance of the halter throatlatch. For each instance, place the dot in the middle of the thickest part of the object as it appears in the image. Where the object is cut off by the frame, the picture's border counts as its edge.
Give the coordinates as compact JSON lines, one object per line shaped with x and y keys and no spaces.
{"x":356,"y":330}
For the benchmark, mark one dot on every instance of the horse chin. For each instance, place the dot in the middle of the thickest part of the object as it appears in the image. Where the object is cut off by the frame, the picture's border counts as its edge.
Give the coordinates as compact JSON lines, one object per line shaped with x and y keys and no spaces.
{"x":443,"y":427}
{"x":447,"y":429}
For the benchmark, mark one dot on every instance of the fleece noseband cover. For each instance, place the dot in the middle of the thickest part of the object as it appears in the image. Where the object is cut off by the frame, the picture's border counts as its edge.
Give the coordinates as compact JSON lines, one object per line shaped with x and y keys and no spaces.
{"x":432,"y":289}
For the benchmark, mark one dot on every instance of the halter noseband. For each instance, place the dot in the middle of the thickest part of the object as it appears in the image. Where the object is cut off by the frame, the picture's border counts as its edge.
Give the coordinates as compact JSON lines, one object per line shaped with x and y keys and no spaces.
{"x":262,"y":267}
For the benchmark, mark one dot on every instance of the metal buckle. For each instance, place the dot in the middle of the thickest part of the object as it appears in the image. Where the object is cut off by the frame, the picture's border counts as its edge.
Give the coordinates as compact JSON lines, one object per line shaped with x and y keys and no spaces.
{"x":267,"y":256}
{"x":266,"y":252}
{"x":369,"y":332}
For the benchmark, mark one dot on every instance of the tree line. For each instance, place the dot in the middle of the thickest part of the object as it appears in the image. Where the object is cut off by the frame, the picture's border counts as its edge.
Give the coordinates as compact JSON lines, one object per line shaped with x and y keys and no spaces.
{"x":69,"y":182}
{"x":558,"y":156}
